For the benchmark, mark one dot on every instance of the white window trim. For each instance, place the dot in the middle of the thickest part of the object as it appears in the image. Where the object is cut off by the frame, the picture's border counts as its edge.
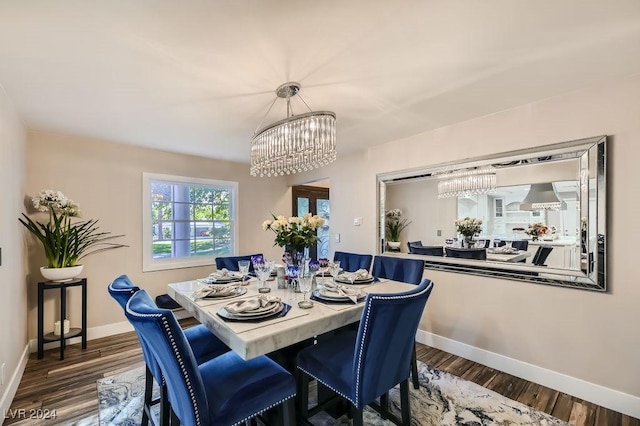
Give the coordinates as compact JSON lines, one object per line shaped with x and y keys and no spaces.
{"x":148,"y":263}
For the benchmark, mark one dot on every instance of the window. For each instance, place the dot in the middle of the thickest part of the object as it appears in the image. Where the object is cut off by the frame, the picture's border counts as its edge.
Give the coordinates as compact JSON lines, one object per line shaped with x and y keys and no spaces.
{"x":186,"y":221}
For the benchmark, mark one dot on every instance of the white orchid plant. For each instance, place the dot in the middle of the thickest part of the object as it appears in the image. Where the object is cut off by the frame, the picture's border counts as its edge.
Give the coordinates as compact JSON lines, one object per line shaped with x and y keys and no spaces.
{"x":66,"y":242}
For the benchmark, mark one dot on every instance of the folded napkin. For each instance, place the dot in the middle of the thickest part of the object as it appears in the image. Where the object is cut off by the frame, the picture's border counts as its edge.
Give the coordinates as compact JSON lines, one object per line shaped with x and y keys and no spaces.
{"x":360,"y":274}
{"x":344,"y":290}
{"x":224,"y":273}
{"x":251,"y":304}
{"x":504,"y":250}
{"x":213,"y":290}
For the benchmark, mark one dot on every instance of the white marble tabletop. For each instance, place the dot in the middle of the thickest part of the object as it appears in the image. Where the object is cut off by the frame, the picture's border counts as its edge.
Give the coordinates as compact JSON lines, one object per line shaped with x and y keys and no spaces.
{"x":251,"y":339}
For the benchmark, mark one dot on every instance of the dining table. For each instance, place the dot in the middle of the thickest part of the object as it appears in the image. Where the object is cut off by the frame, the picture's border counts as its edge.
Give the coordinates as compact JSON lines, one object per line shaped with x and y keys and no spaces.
{"x":250,"y":339}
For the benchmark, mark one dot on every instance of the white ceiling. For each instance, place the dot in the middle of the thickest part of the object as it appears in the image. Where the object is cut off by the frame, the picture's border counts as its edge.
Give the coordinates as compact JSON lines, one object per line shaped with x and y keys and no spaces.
{"x":198,"y":76}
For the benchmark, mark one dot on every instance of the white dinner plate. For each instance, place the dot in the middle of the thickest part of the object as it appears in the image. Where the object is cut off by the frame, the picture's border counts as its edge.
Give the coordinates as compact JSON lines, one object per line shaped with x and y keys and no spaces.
{"x":343,"y":279}
{"x":257,"y":314}
{"x":220,"y":280}
{"x":269,"y":308}
{"x":238,"y":291}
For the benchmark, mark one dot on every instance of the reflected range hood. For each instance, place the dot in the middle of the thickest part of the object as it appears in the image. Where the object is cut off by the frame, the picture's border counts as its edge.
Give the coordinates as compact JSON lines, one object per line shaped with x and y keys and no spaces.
{"x":542,"y":196}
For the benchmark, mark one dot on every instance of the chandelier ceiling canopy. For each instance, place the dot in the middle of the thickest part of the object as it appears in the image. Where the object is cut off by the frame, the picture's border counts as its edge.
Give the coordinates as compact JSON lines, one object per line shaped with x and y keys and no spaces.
{"x":295,"y":144}
{"x":479,"y":180}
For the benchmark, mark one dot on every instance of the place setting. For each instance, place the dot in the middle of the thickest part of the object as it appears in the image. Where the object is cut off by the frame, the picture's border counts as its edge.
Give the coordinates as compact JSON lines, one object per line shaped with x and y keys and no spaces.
{"x":361,"y":276}
{"x":330,"y":292}
{"x":224,"y":276}
{"x":218,"y":291}
{"x":255,"y":309}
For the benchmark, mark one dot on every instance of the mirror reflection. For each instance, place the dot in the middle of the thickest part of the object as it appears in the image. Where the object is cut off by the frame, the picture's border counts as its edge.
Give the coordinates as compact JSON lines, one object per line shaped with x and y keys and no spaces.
{"x":535,"y":215}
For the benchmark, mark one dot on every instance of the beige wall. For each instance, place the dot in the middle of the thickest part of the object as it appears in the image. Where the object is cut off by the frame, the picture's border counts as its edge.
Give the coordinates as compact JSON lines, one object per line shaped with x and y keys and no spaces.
{"x":13,"y":302}
{"x":585,"y":335}
{"x":106,"y":180}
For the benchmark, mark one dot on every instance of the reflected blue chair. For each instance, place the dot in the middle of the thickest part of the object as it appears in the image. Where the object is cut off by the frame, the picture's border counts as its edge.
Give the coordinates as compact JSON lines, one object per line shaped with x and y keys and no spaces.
{"x":364,"y":365}
{"x":541,"y":255}
{"x":398,"y":269}
{"x":351,"y":262}
{"x":517,"y":244}
{"x":428,"y":250}
{"x":412,"y":244}
{"x":231,"y":262}
{"x":204,"y":343}
{"x":467,"y":253}
{"x":405,"y":270}
{"x":225,"y":390}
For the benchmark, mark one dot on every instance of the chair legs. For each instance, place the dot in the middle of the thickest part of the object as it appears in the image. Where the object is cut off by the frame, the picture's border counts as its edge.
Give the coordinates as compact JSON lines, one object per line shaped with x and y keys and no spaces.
{"x":405,"y":406}
{"x":148,"y":392}
{"x":414,"y":369}
{"x":356,"y":415}
{"x":288,"y":409}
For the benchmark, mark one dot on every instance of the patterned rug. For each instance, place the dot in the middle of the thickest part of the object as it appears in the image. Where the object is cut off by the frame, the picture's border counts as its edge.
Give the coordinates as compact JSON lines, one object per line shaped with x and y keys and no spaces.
{"x":443,"y":399}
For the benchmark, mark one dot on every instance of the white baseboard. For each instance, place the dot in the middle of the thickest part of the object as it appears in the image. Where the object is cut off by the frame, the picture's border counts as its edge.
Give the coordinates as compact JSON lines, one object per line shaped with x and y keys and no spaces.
{"x":12,"y":385}
{"x":102,"y":331}
{"x":605,"y":397}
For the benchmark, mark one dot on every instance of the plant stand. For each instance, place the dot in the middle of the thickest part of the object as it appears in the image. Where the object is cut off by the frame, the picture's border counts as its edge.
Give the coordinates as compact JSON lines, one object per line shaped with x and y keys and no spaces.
{"x":73,"y":332}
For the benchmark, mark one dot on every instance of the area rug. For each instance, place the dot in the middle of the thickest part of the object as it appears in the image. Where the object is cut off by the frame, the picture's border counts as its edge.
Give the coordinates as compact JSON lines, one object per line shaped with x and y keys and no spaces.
{"x":442,"y":400}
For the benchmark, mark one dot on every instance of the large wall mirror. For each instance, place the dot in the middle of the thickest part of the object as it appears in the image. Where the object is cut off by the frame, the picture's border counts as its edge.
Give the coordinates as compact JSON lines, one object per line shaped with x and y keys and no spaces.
{"x":541,"y":214}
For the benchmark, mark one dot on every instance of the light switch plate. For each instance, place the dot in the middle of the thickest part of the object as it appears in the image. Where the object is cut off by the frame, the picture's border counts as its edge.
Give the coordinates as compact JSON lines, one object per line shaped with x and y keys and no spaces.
{"x":357,"y":221}
{"x":337,"y":238}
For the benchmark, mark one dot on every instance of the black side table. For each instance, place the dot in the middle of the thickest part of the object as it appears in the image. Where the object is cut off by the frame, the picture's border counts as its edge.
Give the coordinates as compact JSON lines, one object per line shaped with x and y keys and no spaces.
{"x":73,"y":332}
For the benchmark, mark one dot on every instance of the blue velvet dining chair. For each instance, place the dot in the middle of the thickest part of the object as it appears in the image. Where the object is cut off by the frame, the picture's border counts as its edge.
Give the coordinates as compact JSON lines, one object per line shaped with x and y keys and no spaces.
{"x":225,"y":390}
{"x":231,"y":262}
{"x":405,"y":270}
{"x":364,"y":365}
{"x":204,"y":343}
{"x":412,"y":244}
{"x":541,"y":255}
{"x":351,"y":262}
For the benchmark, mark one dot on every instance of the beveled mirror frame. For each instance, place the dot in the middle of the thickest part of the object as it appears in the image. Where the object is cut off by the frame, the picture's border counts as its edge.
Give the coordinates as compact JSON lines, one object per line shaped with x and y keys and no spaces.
{"x":590,"y":157}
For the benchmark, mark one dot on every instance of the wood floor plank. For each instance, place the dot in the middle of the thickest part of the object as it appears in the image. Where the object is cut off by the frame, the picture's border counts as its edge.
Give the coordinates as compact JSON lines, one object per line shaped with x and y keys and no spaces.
{"x":539,"y":397}
{"x":563,"y":406}
{"x":582,"y":414}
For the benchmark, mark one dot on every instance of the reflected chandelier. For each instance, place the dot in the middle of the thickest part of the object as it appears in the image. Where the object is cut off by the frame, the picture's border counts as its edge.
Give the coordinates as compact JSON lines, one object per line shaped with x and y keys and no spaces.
{"x":465,"y":182}
{"x":296,"y":144}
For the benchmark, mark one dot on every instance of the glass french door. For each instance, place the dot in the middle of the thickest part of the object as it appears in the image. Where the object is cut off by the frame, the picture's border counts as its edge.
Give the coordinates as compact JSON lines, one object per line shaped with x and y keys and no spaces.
{"x":314,"y":200}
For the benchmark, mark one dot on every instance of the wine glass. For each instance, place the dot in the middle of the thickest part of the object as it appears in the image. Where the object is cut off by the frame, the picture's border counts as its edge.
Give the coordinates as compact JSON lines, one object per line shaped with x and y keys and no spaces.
{"x":323,"y":266}
{"x":334,"y":269}
{"x":293,"y":271}
{"x":305,"y":282}
{"x":243,"y":267}
{"x":263,"y":271}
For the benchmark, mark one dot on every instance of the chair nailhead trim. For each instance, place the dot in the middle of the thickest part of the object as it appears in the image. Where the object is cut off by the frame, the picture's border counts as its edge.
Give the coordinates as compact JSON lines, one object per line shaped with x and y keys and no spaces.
{"x":173,"y":346}
{"x":263,"y":410}
{"x":327,"y":385}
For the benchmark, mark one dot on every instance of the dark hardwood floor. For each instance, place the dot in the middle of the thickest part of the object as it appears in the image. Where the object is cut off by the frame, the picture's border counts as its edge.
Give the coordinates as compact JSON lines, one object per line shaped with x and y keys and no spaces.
{"x":68,"y":388}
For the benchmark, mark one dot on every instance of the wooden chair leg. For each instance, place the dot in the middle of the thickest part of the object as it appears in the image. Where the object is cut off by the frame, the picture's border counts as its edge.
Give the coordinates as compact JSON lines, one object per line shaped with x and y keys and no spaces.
{"x":384,"y":405}
{"x":288,"y":408}
{"x":148,"y":394}
{"x":414,"y":369}
{"x":166,"y":413}
{"x":357,"y":416}
{"x":404,"y":403}
{"x":302,"y":394}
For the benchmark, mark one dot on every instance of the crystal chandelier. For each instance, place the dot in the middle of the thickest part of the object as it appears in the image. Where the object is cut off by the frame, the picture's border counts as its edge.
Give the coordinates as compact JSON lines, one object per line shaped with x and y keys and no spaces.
{"x":295,"y":144}
{"x":474,"y":181}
